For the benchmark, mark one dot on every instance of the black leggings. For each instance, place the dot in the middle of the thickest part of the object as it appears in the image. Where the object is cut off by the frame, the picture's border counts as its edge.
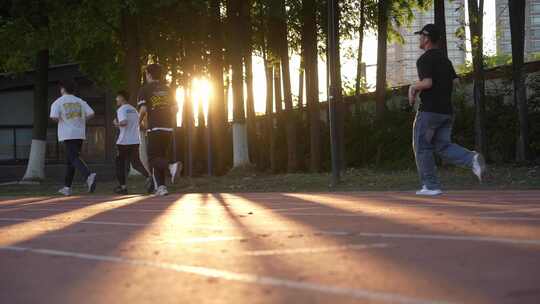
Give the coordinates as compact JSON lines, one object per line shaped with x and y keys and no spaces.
{"x":159,"y":144}
{"x":128,"y":154}
{"x":74,"y":161}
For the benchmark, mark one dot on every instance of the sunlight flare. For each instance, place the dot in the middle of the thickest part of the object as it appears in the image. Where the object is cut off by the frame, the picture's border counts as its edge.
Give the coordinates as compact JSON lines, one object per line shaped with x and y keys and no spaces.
{"x":200,"y":94}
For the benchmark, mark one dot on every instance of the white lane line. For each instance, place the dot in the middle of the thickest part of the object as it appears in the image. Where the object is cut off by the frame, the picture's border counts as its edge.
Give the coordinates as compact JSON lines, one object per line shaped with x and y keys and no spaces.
{"x":362,"y":294}
{"x":289,"y":209}
{"x":194,"y":240}
{"x":325,"y":214}
{"x":311,"y":250}
{"x":450,"y":238}
{"x":197,"y":240}
{"x":81,"y":222}
{"x":147,"y":210}
{"x":509,"y":218}
{"x":536,"y":209}
{"x":76,"y":234}
{"x":191,"y":226}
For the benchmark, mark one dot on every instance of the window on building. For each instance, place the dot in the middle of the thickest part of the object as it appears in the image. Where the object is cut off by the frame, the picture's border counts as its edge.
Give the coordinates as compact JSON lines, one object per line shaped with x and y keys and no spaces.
{"x":7,"y":144}
{"x":52,"y":145}
{"x":23,"y":141}
{"x":15,"y":143}
{"x":94,"y":148}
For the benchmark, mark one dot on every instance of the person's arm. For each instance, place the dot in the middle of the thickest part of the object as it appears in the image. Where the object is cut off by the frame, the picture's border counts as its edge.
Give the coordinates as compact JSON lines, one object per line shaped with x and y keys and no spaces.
{"x":55,"y":112}
{"x":88,"y":111}
{"x":121,"y":121}
{"x":425,"y":73}
{"x":456,"y":78}
{"x":419,"y":86}
{"x":143,"y":112}
{"x":424,"y":84}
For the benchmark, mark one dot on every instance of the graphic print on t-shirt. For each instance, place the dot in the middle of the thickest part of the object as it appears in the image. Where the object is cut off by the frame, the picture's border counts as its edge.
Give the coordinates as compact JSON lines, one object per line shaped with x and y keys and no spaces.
{"x":72,"y":110}
{"x":71,"y":113}
{"x":160,"y":105}
{"x":159,"y":100}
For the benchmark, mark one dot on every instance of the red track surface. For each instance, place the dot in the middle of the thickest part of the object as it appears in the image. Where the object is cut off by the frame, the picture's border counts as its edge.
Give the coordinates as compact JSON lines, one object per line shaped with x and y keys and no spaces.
{"x":463,"y":247}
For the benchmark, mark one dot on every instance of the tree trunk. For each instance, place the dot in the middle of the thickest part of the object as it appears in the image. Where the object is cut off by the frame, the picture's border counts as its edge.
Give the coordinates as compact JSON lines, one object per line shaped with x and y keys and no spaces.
{"x":476,"y":27}
{"x":217,"y":107}
{"x":35,"y":170}
{"x":188,"y":126}
{"x":301,"y":77}
{"x":340,"y":105}
{"x":277,"y":89}
{"x":310,"y":52}
{"x":240,"y":140}
{"x":440,"y":22}
{"x":382,"y":36}
{"x":269,"y":123}
{"x":248,"y":62}
{"x":228,"y":84}
{"x":517,"y":28}
{"x":201,"y":140}
{"x":361,"y":28}
{"x":132,"y":61}
{"x":280,"y":47}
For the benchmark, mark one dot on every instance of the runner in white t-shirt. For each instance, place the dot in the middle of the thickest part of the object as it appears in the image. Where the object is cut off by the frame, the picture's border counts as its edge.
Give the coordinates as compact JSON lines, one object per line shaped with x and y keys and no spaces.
{"x":71,"y":113}
{"x":127,"y":121}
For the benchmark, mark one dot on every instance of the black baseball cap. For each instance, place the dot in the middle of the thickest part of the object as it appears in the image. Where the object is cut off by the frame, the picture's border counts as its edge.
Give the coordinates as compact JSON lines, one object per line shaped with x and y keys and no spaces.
{"x":430,"y":30}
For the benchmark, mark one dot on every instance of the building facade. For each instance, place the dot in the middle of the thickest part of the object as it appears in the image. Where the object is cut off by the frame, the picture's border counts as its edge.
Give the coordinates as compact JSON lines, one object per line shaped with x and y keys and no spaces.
{"x":402,"y":57}
{"x":532,"y":28}
{"x":16,"y":117}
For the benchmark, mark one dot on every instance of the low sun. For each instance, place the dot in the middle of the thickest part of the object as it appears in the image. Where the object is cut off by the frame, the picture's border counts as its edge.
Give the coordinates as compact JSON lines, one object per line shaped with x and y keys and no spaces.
{"x":201,"y":92}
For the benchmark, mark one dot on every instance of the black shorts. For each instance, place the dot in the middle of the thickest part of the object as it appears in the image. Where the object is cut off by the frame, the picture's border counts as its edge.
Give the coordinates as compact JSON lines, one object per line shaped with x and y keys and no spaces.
{"x":159,"y":144}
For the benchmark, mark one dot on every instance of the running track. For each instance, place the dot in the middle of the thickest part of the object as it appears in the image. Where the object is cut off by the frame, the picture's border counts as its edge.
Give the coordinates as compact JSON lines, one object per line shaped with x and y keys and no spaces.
{"x":390,"y":247}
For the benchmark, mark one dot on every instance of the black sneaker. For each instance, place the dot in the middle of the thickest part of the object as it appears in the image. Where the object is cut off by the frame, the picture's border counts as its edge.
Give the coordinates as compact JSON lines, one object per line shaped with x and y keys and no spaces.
{"x":120,"y":190}
{"x":150,"y":188}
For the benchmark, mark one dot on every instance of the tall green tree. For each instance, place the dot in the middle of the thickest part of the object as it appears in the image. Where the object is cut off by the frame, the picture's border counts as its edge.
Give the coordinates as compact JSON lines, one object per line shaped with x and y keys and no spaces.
{"x":279,"y":46}
{"x":361,"y":30}
{"x":29,"y":19}
{"x":440,"y":21}
{"x":218,"y":98}
{"x":240,"y":139}
{"x":247,"y":7}
{"x":383,"y":9}
{"x":476,"y":17}
{"x":517,"y":30}
{"x":310,"y":54}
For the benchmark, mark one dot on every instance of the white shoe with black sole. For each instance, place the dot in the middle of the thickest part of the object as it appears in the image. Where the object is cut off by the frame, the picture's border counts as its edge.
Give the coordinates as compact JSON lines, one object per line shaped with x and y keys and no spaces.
{"x":479,"y":166}
{"x":426,"y":192}
{"x":91,"y":182}
{"x":162,"y":191}
{"x":175,"y":169}
{"x":66,"y":191}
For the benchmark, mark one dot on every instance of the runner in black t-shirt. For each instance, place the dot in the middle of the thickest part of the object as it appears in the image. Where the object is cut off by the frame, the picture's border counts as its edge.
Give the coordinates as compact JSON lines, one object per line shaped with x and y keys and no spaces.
{"x":158,"y":106}
{"x":433,"y":124}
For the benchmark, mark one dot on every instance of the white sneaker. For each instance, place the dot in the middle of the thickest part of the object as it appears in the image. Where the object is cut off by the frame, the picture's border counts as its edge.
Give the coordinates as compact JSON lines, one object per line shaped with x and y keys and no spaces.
{"x":426,"y":192}
{"x":91,"y":182}
{"x":66,"y":191}
{"x":175,"y":169}
{"x":162,"y":191}
{"x":479,"y":166}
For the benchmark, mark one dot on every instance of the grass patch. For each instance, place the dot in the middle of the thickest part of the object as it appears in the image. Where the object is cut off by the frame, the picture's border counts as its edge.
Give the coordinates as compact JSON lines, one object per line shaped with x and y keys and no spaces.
{"x":499,"y":178}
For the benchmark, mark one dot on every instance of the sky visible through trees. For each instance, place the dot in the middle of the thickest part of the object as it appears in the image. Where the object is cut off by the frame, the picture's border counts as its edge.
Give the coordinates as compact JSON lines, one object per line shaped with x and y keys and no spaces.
{"x":349,"y":64}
